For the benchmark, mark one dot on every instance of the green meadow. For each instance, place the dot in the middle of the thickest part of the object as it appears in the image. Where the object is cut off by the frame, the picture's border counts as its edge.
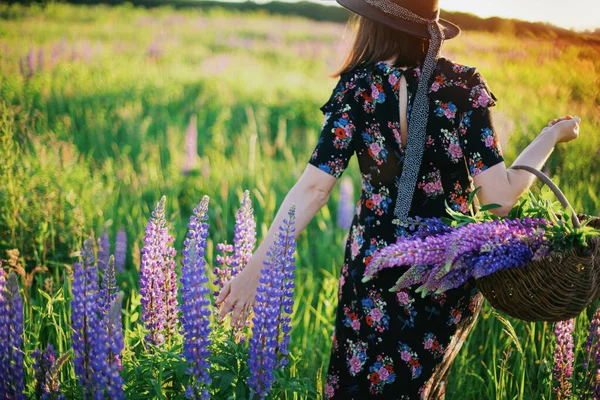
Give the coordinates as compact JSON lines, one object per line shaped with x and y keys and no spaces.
{"x":95,"y":105}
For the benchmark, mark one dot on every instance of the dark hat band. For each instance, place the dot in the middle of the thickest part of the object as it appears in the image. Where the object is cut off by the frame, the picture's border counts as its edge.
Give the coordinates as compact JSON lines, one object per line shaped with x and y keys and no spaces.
{"x":417,"y":126}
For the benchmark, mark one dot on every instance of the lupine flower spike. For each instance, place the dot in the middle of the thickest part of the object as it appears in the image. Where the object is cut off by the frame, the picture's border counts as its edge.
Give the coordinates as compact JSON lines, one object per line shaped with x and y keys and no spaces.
{"x":115,"y":344}
{"x":46,"y":367}
{"x":11,"y":337}
{"x":108,"y":287}
{"x":244,"y":237}
{"x":103,"y":250}
{"x":158,"y":285}
{"x":271,"y":310}
{"x":196,"y":304}
{"x":222,"y":269}
{"x":120,"y":251}
{"x":443,"y":258}
{"x":89,"y":334}
{"x":563,"y":358}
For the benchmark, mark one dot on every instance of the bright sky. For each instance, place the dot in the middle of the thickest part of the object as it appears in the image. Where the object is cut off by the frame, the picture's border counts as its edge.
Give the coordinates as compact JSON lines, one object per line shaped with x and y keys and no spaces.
{"x":574,"y":14}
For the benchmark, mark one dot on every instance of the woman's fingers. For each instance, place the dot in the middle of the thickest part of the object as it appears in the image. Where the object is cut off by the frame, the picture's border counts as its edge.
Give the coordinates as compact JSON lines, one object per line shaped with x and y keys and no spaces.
{"x":226,"y":307}
{"x":223,"y":293}
{"x":237,"y":312}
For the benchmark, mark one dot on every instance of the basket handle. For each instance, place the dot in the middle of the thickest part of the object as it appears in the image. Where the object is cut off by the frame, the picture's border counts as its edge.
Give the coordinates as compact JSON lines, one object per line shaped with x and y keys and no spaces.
{"x":559,"y":194}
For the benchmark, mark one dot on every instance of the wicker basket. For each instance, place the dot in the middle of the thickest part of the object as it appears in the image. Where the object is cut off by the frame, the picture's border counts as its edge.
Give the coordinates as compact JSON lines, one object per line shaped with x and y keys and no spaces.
{"x":555,"y":288}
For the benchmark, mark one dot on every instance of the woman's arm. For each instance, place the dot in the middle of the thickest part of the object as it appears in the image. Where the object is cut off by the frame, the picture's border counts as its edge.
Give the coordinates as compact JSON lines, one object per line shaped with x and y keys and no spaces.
{"x":310,"y":194}
{"x":504,"y":186}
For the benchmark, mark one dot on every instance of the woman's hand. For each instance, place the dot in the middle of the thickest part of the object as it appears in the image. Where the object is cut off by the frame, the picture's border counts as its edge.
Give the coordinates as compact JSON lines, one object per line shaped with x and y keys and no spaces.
{"x":564,"y":129}
{"x":239,"y":293}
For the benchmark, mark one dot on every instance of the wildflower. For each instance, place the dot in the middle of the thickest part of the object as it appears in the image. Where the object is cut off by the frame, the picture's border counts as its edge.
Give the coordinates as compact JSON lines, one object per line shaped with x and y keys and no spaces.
{"x":345,"y":210}
{"x":89,"y":334}
{"x":115,"y":344}
{"x":563,"y":358}
{"x":30,"y":59}
{"x":222,"y":270}
{"x":108,"y":287}
{"x":270,"y":332}
{"x":121,"y":251}
{"x":46,"y":367}
{"x":244,"y":237}
{"x":103,"y":250}
{"x":158,"y":284}
{"x":195,"y":303}
{"x":11,"y":337}
{"x":443,"y":258}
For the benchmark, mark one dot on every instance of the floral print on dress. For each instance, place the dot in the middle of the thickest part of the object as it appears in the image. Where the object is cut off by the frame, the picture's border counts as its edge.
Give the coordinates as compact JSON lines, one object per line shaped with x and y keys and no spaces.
{"x":381,"y":373}
{"x":431,"y":184}
{"x":379,"y":202}
{"x":356,"y":356}
{"x":406,"y":334}
{"x":411,"y":359}
{"x":433,"y":345}
{"x":374,"y":309}
{"x":446,"y":109}
{"x":375,"y":143}
{"x":352,"y":319}
{"x":356,"y":240}
{"x":452,"y":145}
{"x":331,"y":385}
{"x":406,"y":301}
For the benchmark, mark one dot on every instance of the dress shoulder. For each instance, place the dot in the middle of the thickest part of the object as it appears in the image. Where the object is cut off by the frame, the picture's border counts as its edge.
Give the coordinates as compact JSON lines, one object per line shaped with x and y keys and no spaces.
{"x":345,"y":91}
{"x":464,"y":84}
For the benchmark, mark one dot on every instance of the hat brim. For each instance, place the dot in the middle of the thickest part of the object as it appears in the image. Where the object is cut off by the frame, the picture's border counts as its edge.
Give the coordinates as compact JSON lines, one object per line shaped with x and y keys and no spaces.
{"x":366,"y":10}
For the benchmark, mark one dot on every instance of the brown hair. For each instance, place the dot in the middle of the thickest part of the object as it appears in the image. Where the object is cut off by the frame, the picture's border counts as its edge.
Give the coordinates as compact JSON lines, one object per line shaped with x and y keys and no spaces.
{"x":374,"y":41}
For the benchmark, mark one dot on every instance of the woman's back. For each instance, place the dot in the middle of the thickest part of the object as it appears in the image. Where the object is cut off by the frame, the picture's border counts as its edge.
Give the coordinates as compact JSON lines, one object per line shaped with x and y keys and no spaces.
{"x":363,"y":118}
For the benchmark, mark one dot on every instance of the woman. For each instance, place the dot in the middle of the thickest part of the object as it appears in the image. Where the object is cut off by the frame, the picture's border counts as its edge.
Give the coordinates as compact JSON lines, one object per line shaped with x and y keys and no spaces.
{"x":422,"y":130}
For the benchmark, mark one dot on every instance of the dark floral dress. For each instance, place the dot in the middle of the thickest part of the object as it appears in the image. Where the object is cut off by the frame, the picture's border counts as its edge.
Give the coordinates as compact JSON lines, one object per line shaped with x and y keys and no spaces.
{"x":399,"y":345}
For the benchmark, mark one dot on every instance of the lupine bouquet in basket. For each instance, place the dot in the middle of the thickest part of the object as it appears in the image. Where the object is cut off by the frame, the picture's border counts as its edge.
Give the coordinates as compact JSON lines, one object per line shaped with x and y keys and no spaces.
{"x":444,"y":253}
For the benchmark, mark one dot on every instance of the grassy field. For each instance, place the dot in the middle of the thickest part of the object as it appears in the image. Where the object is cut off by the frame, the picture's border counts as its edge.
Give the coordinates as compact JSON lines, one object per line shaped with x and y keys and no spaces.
{"x":95,"y":103}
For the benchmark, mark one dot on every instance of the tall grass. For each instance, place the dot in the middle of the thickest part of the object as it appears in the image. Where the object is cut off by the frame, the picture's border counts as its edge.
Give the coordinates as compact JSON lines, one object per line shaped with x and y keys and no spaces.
{"x":94,"y":107}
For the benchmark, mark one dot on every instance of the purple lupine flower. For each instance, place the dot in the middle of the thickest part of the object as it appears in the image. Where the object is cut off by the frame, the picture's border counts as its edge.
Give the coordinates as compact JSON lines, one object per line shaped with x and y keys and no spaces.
{"x":191,"y":145}
{"x":287,"y":241}
{"x":152,"y":279}
{"x":273,"y":298}
{"x":222,"y":269}
{"x":244,"y":237}
{"x":195,"y":303}
{"x":108,"y":287}
{"x":30,"y":63}
{"x":563,"y":358}
{"x":11,"y":328}
{"x":103,"y":250}
{"x":158,"y":282}
{"x":423,"y":227}
{"x":115,"y":344}
{"x":345,"y":210}
{"x":443,"y":258}
{"x":171,"y":305}
{"x":408,"y":251}
{"x":89,"y":336}
{"x":5,"y":352}
{"x":46,"y":367}
{"x":592,"y":344}
{"x":121,"y":251}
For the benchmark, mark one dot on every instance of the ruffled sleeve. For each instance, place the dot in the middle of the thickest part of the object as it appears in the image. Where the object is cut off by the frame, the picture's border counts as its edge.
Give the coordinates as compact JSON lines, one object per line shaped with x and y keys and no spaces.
{"x":335,"y":146}
{"x":478,"y":134}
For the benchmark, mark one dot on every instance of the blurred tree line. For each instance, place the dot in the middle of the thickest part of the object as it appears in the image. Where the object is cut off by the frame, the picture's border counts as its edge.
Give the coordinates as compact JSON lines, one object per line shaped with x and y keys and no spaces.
{"x":320,"y":12}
